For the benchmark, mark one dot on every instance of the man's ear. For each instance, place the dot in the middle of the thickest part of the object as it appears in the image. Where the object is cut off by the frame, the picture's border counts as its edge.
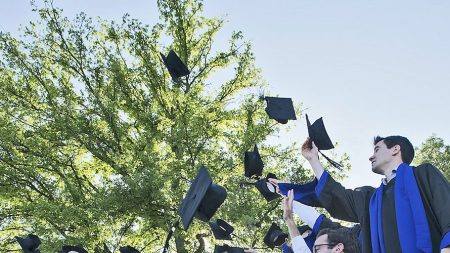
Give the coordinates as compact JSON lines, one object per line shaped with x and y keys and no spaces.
{"x":396,"y":150}
{"x":338,"y":248}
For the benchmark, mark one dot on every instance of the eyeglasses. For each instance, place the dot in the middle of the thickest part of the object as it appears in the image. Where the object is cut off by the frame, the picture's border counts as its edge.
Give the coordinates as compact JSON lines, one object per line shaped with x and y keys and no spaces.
{"x":316,"y":247}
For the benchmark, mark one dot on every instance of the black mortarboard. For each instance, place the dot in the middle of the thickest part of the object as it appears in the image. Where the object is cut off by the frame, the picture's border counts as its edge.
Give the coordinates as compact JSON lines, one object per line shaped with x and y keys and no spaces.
{"x":29,"y":244}
{"x":202,"y":200}
{"x":266,"y":188}
{"x":318,"y":134}
{"x":175,"y":66}
{"x":71,"y":249}
{"x":253,"y":164}
{"x":227,"y":249}
{"x":275,"y":236}
{"x":280,"y":109}
{"x":221,"y":229}
{"x":128,"y":249}
{"x":302,"y":229}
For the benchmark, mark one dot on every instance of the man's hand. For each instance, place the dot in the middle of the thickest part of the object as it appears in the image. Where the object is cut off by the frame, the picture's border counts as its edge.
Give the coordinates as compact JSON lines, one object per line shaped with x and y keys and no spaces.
{"x":310,"y":153}
{"x":288,"y":210}
{"x":274,"y":182}
{"x":288,"y":206}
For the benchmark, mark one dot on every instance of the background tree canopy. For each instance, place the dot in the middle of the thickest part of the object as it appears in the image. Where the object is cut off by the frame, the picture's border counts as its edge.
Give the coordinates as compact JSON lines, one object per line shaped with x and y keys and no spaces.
{"x":98,"y":146}
{"x":434,"y":151}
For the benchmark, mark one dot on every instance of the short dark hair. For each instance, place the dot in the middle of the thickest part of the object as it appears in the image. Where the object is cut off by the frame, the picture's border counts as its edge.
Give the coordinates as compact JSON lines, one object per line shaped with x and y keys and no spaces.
{"x":406,"y":147}
{"x":341,"y":235}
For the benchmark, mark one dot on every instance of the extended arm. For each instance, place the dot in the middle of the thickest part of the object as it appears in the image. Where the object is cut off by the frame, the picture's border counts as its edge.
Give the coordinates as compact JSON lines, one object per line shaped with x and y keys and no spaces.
{"x":298,"y":243}
{"x":312,"y":155}
{"x":341,"y":203}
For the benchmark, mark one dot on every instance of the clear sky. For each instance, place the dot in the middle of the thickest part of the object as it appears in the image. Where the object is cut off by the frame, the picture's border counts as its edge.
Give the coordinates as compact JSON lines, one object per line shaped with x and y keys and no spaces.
{"x":367,"y":67}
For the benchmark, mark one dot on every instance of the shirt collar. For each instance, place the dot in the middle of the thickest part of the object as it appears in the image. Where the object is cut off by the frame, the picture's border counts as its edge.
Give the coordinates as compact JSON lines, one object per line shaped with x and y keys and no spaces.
{"x":394,"y":173}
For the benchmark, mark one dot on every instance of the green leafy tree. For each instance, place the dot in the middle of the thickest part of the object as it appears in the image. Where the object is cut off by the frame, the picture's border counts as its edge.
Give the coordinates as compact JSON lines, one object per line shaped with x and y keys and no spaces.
{"x":98,"y":146}
{"x":434,"y":151}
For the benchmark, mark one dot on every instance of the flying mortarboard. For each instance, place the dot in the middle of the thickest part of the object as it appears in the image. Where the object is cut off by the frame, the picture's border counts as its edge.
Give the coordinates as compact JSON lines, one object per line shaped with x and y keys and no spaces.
{"x":202,"y":200}
{"x":128,"y":249}
{"x":318,"y":134}
{"x":73,"y":249}
{"x":275,"y":236}
{"x":227,"y":249}
{"x":266,"y":188}
{"x":221,"y":229}
{"x":253,"y":163}
{"x":175,"y":66}
{"x":280,"y":109}
{"x":29,"y":244}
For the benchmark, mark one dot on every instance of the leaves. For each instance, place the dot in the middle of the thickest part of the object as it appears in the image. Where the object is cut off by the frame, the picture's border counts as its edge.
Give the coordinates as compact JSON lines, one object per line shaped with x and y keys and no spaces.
{"x":98,"y":146}
{"x":434,"y":151}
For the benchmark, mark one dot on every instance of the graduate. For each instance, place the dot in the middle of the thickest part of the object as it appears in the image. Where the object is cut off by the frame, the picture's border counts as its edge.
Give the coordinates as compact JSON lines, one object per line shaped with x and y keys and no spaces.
{"x":337,"y":240}
{"x":303,"y":195}
{"x":408,"y":212}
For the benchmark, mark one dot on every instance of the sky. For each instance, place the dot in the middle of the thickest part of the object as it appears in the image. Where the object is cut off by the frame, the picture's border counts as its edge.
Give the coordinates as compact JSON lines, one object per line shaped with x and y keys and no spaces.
{"x":367,"y":67}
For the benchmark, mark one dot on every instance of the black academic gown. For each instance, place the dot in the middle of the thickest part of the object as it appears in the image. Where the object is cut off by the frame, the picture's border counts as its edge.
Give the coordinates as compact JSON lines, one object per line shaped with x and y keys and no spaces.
{"x":353,"y":205}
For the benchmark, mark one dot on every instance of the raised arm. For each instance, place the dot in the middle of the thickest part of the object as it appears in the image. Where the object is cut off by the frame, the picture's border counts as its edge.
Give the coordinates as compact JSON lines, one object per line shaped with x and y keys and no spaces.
{"x":312,"y":156}
{"x":298,"y":243}
{"x":341,"y":203}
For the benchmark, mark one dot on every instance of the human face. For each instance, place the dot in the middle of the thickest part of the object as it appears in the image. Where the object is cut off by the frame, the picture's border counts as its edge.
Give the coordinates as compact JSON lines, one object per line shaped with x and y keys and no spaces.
{"x":382,"y":158}
{"x":321,"y":245}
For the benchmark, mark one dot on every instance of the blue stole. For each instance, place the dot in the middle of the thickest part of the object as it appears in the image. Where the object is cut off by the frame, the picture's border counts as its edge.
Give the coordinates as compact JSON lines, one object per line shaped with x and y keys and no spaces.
{"x":412,"y":224}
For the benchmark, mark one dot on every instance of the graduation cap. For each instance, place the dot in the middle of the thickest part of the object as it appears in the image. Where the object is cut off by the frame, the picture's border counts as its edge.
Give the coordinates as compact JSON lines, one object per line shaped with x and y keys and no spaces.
{"x":221,"y":229}
{"x":73,"y":249}
{"x":175,"y":66}
{"x":302,"y":229}
{"x":280,"y":109}
{"x":202,"y":200}
{"x":128,"y":249}
{"x":275,"y":236}
{"x":227,"y":249}
{"x":318,"y":134}
{"x":253,"y":164}
{"x":266,"y":188}
{"x":29,"y":244}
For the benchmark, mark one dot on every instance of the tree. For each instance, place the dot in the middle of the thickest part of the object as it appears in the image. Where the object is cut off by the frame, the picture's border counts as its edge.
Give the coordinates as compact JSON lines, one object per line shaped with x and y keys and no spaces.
{"x":434,"y":151}
{"x":98,"y":146}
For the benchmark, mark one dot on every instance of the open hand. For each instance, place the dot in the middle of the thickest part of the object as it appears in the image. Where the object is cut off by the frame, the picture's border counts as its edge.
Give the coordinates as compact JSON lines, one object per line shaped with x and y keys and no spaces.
{"x":309,"y":152}
{"x":288,"y":206}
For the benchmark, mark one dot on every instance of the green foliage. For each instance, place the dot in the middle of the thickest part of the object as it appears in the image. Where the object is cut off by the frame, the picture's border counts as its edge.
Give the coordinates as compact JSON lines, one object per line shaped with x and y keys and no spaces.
{"x":434,"y":151}
{"x":98,"y":145}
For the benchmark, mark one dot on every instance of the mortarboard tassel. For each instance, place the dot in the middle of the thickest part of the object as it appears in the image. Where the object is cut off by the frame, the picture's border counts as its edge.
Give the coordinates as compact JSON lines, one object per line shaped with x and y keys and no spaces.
{"x":335,"y":164}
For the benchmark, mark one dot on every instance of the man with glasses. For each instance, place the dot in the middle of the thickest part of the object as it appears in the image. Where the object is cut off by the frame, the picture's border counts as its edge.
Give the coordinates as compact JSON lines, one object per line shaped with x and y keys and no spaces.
{"x":336,"y":241}
{"x":327,"y":240}
{"x":408,"y":212}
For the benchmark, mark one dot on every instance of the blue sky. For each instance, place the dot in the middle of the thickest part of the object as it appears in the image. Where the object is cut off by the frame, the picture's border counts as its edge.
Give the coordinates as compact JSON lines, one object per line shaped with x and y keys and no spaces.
{"x":367,"y":67}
